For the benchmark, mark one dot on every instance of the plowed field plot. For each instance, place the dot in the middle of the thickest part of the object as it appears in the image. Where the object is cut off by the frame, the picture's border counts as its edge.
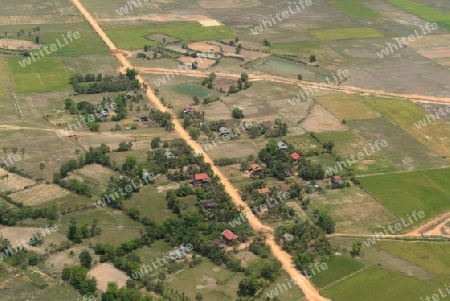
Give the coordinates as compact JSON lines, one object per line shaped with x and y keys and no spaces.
{"x":13,"y":182}
{"x":105,"y":273}
{"x":39,"y":194}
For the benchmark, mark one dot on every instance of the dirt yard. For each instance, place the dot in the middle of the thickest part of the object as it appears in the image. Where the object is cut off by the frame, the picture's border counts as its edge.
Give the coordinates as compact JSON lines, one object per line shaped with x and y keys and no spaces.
{"x":105,"y":273}
{"x":17,"y":44}
{"x":202,"y":63}
{"x":203,"y":46}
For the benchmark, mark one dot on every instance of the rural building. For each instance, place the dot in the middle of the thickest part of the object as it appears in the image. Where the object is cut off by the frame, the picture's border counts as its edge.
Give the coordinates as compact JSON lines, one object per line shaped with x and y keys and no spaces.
{"x":296,"y":156}
{"x":142,"y":118}
{"x":286,"y":187}
{"x":266,"y":125}
{"x":188,"y":110}
{"x":335,"y":180}
{"x":200,"y":179}
{"x":209,"y":205}
{"x":288,"y":237}
{"x":281,"y":145}
{"x":169,"y":155}
{"x":104,"y":113}
{"x":255,"y":168}
{"x":228,"y":236}
{"x":223,"y":131}
{"x":131,"y":94}
{"x":264,"y":190}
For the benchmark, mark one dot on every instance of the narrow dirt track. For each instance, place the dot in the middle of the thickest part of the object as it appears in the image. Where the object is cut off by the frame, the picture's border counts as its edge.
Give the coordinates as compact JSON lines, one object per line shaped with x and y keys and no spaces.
{"x":308,"y":289}
{"x":303,"y":84}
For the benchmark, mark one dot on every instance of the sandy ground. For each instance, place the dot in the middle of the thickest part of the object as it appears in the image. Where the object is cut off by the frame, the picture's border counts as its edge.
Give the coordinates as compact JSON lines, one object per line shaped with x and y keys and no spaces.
{"x":203,"y":46}
{"x":202,"y":63}
{"x":105,"y":273}
{"x":16,"y":234}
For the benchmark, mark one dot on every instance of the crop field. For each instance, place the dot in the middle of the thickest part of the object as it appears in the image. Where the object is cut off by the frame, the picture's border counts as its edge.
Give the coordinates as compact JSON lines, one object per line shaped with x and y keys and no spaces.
{"x":354,"y":210}
{"x":399,"y":111}
{"x":346,"y":106}
{"x":405,"y":192}
{"x":432,"y":257}
{"x":302,"y":51}
{"x":374,"y":278}
{"x":414,"y":156}
{"x":354,"y":8}
{"x":423,"y":11}
{"x":14,"y":182}
{"x":191,"y":90}
{"x":435,"y":136}
{"x":95,"y":176}
{"x":345,"y":33}
{"x":134,"y":36}
{"x":39,"y":194}
{"x":338,"y":267}
{"x":44,"y":75}
{"x":351,"y":143}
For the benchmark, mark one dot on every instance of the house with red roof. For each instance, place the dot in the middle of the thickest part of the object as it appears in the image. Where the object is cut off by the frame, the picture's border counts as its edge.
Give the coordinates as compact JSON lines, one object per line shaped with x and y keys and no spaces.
{"x":200,"y":179}
{"x":296,"y":156}
{"x":228,"y":236}
{"x":264,"y":190}
{"x":286,"y":187}
{"x":335,"y":180}
{"x":255,"y":168}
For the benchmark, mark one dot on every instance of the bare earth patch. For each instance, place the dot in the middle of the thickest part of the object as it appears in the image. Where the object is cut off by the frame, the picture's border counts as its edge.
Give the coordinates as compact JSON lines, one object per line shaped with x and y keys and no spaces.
{"x":105,"y":273}
{"x":17,"y":233}
{"x":204,"y":46}
{"x":320,"y":120}
{"x":202,"y":63}
{"x":14,"y":182}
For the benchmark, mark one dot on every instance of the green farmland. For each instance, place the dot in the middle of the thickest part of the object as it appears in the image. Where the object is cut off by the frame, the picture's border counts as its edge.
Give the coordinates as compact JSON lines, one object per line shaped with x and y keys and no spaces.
{"x":405,"y":192}
{"x":345,"y":33}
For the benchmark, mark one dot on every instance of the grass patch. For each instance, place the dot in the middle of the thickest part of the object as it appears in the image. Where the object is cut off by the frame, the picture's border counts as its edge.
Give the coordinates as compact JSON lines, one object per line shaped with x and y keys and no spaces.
{"x":435,"y":135}
{"x":191,"y":90}
{"x":44,"y":75}
{"x":405,"y":192}
{"x":136,"y":36}
{"x":338,"y":267}
{"x":345,"y":33}
{"x":368,"y":283}
{"x":346,"y":106}
{"x":399,"y":111}
{"x":354,"y":8}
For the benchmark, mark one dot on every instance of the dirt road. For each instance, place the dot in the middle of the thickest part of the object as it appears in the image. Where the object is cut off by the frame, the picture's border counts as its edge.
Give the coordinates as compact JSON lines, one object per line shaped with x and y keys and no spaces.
{"x":304,"y":84}
{"x":308,"y":289}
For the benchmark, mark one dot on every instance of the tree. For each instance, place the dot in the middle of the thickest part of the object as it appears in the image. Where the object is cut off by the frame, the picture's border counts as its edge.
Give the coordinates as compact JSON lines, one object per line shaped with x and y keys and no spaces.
{"x":154,"y":143}
{"x":41,"y":167}
{"x":85,"y":259}
{"x":98,"y":232}
{"x":196,"y":100}
{"x":312,"y":58}
{"x":266,"y":42}
{"x":299,"y":77}
{"x":199,"y":297}
{"x":357,"y":248}
{"x":237,"y":113}
{"x":232,"y":89}
{"x":131,"y":74}
{"x":326,"y":223}
{"x":14,"y":150}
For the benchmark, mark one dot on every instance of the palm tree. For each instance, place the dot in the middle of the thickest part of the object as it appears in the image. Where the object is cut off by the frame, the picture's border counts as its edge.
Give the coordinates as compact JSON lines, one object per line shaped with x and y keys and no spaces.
{"x":73,"y":223}
{"x":22,"y":150}
{"x":5,"y":149}
{"x":41,"y":167}
{"x":98,"y":232}
{"x":14,"y":150}
{"x":6,"y":36}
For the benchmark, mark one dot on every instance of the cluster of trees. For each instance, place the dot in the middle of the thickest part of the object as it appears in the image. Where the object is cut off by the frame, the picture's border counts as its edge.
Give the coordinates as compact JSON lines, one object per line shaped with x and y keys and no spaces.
{"x":77,"y":234}
{"x":208,"y":81}
{"x":309,"y":170}
{"x":310,"y":244}
{"x":237,"y":113}
{"x":243,"y":83}
{"x":161,"y":119}
{"x":78,"y":277}
{"x":89,"y":84}
{"x":11,"y":216}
